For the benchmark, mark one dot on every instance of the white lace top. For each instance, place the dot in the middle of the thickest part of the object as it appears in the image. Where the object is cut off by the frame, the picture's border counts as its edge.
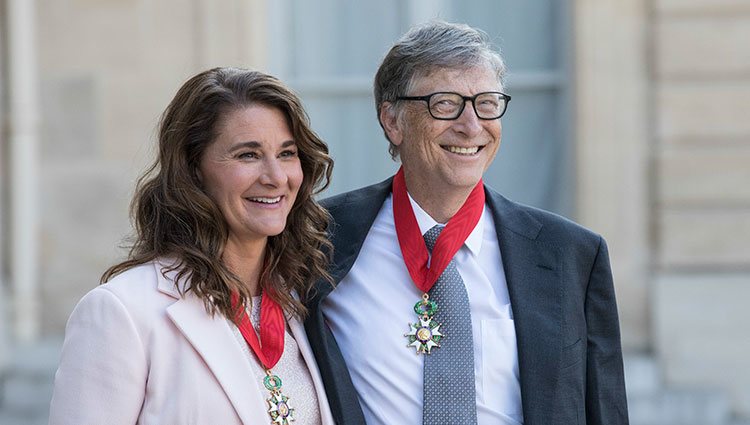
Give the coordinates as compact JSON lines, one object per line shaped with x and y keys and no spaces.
{"x":291,"y":368}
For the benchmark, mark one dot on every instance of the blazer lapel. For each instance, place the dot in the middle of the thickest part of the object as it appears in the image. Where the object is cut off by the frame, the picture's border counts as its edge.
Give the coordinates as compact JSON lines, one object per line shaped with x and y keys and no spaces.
{"x":532,"y":271}
{"x":213,"y":339}
{"x":298,"y":332}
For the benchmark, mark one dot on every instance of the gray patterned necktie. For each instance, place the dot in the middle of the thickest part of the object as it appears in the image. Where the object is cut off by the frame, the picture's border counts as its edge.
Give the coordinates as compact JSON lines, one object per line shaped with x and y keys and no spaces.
{"x":449,"y":392}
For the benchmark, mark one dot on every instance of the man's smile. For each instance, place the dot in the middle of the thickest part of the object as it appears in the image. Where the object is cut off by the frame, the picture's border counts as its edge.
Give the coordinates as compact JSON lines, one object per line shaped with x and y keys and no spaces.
{"x":471,"y":150}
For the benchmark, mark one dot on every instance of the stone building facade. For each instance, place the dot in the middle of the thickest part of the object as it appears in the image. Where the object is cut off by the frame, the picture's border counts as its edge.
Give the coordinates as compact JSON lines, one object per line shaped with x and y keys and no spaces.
{"x":700,"y":207}
{"x":660,"y":136}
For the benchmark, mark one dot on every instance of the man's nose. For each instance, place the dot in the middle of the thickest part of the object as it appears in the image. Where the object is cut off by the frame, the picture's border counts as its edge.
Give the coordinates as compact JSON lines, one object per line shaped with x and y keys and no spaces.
{"x":468,"y":122}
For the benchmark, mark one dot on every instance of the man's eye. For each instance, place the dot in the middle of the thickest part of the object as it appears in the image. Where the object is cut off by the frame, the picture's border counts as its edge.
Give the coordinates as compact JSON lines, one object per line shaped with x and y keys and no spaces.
{"x":446,"y":102}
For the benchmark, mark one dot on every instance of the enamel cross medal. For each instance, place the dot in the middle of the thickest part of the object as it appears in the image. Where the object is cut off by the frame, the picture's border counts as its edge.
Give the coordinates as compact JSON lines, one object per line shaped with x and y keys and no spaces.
{"x":425,"y":333}
{"x":278,"y":404}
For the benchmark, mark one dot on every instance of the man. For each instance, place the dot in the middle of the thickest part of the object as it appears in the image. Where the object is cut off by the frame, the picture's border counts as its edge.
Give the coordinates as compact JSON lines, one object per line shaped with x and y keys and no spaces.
{"x":454,"y":305}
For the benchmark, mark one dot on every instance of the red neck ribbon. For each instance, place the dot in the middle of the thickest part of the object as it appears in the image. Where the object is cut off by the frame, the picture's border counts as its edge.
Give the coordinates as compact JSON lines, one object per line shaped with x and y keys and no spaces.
{"x":413,"y":247}
{"x":270,"y":346}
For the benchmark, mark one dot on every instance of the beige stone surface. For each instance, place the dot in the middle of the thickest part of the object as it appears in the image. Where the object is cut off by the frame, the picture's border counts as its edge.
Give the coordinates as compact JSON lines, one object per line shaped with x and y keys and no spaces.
{"x":704,"y":175}
{"x":83,"y":221}
{"x":703,"y":7}
{"x":70,"y":117}
{"x":131,"y":107}
{"x":611,"y":144}
{"x":706,"y":111}
{"x":702,"y":46}
{"x":226,"y":36}
{"x":94,"y":3}
{"x":708,"y":238}
{"x":79,"y":38}
{"x":701,"y":195}
{"x":700,"y":329}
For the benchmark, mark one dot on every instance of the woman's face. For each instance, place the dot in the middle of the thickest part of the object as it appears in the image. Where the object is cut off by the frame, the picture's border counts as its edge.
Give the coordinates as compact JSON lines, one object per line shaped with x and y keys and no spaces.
{"x":252,"y":171}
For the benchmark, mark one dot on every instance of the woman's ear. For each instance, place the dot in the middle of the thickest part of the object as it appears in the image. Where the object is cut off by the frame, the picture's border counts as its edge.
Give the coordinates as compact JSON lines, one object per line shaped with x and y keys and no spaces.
{"x":389,"y":119}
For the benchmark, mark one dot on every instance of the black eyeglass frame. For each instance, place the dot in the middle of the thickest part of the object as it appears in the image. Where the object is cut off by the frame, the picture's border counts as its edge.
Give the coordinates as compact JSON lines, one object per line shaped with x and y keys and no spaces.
{"x":427,"y":98}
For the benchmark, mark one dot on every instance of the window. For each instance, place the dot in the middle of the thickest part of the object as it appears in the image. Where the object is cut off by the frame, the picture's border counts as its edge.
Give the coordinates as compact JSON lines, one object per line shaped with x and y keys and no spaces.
{"x":331,"y":50}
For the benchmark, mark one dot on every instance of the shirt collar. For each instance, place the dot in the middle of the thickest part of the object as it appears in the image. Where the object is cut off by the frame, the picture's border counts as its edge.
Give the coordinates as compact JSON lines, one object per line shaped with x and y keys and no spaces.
{"x":425,"y":222}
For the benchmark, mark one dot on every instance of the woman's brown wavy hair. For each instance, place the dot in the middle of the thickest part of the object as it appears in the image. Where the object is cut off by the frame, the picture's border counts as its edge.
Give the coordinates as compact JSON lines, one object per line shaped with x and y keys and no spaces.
{"x":174,"y":217}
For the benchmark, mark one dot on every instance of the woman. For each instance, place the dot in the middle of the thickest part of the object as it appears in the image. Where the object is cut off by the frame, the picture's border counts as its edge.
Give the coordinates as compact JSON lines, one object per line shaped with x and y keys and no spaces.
{"x":201,"y":324}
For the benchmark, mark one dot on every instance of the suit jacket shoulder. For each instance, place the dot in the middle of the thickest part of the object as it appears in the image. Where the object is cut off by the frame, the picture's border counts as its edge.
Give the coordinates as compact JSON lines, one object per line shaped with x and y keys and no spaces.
{"x":342,"y":205}
{"x":538,"y":224}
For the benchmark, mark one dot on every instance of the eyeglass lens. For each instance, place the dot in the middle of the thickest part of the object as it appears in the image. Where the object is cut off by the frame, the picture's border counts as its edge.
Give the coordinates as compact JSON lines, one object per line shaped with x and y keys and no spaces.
{"x":450,"y":105}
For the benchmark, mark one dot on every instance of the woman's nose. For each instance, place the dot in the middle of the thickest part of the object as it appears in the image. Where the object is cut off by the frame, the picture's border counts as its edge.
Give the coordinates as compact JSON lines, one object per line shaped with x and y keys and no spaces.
{"x":273,"y":173}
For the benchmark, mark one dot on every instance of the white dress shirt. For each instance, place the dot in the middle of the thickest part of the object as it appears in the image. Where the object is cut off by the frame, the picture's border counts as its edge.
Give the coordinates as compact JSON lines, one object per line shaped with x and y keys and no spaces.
{"x":371,"y":308}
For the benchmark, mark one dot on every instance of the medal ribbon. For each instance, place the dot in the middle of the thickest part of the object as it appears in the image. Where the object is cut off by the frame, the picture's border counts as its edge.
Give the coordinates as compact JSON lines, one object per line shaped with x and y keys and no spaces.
{"x":271,"y":344}
{"x":412,"y":244}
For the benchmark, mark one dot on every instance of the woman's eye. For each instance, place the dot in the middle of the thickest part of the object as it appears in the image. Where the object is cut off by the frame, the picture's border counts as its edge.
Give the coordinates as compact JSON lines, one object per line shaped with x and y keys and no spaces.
{"x":289,"y":153}
{"x":247,"y":155}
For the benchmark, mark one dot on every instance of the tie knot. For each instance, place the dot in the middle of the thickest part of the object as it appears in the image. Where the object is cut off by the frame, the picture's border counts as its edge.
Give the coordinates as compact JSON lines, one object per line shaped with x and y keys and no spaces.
{"x":431,"y":236}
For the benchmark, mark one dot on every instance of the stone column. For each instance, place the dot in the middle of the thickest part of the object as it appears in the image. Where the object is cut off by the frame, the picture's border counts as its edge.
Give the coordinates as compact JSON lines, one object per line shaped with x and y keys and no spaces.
{"x":3,"y":184}
{"x":24,"y":126}
{"x":612,"y":109}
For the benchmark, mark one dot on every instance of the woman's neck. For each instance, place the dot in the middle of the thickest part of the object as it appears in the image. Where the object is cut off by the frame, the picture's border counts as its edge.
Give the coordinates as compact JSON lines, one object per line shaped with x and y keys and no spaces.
{"x":246,"y":262}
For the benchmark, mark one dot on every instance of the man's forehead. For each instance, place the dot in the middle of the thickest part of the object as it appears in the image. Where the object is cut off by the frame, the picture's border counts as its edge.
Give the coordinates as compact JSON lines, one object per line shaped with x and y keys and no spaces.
{"x":479,"y":77}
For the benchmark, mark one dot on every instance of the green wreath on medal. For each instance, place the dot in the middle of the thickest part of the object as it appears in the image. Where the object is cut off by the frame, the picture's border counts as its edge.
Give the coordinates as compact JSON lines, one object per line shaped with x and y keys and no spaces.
{"x":425,"y":333}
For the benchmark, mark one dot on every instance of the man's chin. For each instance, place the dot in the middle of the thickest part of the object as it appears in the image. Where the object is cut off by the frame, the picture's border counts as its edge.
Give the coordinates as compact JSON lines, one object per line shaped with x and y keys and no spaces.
{"x":465,"y":180}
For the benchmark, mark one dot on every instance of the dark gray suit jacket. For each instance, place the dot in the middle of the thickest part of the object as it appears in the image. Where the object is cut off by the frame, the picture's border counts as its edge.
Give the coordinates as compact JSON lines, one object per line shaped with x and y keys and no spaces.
{"x":563,"y":302}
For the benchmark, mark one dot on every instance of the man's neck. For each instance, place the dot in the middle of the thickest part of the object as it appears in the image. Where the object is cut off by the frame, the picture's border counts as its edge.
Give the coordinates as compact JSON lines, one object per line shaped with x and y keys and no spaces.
{"x":440,"y":204}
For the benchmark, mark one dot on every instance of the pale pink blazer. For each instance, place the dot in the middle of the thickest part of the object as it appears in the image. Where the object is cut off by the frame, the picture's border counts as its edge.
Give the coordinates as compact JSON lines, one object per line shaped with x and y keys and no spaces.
{"x":136,"y":352}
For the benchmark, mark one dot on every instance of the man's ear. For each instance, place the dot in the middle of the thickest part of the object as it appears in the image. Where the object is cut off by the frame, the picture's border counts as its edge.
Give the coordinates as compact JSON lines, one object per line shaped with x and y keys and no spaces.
{"x":390,"y":122}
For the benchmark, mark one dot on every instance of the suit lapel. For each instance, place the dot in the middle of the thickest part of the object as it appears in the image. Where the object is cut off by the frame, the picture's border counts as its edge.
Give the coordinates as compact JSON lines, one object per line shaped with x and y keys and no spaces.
{"x":214,"y":341}
{"x":357,"y":224}
{"x":352,"y":216}
{"x":532,"y":271}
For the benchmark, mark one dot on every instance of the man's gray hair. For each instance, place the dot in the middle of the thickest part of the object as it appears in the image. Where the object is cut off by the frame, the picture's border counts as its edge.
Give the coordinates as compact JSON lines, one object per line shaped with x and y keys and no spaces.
{"x":425,"y":48}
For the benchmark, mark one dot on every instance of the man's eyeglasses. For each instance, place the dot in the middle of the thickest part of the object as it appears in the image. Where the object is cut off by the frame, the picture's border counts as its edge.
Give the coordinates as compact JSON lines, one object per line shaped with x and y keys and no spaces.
{"x":489,"y":105}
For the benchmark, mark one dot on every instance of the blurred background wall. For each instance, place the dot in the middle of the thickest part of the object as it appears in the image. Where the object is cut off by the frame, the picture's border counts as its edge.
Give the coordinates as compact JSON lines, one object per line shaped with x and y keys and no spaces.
{"x":629,"y":116}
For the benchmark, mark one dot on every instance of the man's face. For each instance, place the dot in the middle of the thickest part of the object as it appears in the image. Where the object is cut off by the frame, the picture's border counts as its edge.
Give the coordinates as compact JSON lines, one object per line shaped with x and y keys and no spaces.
{"x":440,"y":156}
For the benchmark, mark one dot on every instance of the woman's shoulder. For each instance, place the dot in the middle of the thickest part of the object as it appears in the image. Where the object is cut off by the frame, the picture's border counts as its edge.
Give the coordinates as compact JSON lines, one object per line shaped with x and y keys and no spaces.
{"x":141,"y":287}
{"x":140,"y":278}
